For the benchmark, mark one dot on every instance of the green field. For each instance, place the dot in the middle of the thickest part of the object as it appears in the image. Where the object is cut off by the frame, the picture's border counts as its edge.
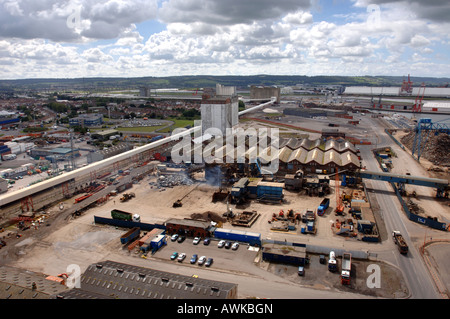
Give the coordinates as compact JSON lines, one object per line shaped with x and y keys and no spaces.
{"x":142,"y":129}
{"x":177,"y":124}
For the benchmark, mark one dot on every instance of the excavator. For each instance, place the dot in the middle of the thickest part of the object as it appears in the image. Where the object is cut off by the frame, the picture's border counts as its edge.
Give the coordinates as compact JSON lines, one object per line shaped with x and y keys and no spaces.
{"x":127,"y":196}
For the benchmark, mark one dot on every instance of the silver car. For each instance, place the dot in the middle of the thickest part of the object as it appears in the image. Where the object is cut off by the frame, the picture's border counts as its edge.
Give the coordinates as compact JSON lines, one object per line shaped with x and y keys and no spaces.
{"x":201,"y":260}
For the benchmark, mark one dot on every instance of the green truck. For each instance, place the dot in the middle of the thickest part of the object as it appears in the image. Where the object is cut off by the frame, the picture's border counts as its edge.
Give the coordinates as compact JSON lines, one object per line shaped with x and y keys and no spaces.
{"x":122,"y":215}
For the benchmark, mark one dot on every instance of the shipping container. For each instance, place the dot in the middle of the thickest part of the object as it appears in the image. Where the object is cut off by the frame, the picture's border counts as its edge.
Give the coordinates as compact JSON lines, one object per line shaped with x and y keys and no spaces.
{"x":270,"y":190}
{"x":119,"y":214}
{"x":130,"y":235}
{"x":147,"y":238}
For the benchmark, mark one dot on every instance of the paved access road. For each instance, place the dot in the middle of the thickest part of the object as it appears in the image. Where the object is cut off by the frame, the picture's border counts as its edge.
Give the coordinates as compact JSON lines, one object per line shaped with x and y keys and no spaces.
{"x":412,"y":265}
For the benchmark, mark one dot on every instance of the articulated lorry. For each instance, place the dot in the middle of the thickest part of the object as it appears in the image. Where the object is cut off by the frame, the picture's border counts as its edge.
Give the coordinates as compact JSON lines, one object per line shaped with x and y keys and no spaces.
{"x":400,"y":242}
{"x":122,"y":215}
{"x":346,"y":268}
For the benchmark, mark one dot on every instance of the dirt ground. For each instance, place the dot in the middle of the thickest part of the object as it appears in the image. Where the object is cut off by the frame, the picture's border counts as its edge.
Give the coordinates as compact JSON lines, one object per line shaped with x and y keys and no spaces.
{"x":317,"y":276}
{"x":438,"y":255}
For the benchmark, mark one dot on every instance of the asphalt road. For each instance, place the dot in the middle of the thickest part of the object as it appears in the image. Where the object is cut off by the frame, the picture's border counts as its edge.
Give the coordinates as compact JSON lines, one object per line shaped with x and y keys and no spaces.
{"x":414,"y":270}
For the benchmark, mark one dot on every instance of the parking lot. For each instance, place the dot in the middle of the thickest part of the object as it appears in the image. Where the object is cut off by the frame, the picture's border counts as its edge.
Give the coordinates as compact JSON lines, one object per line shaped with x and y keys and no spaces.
{"x":238,"y":260}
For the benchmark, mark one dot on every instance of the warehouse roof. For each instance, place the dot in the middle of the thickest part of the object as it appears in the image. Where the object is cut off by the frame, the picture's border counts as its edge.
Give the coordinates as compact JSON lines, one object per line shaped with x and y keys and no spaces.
{"x":16,"y":283}
{"x":188,"y":222}
{"x":106,"y":132}
{"x":109,"y":279}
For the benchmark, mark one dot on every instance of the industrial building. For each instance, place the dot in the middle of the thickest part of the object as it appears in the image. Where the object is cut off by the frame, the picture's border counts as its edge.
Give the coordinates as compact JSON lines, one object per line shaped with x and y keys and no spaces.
{"x":107,"y":153}
{"x":87,"y":120}
{"x":17,"y":283}
{"x":104,"y":135}
{"x":54,"y":154}
{"x":438,"y":107}
{"x":219,"y":111}
{"x":396,"y":91}
{"x":293,"y":154}
{"x":189,"y":227}
{"x":265,"y":92}
{"x":113,"y":280}
{"x":145,"y":91}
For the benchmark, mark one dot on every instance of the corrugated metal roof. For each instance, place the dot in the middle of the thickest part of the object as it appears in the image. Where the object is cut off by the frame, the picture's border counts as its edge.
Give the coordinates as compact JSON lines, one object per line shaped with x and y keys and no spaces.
{"x":16,"y":283}
{"x":284,"y":154}
{"x":369,"y":90}
{"x":315,"y":155}
{"x":298,"y":155}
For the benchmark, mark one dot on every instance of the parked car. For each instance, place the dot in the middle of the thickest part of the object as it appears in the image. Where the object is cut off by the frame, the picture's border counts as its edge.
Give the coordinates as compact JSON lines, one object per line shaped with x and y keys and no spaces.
{"x":209,"y":262}
{"x":221,"y":243}
{"x":194,"y":258}
{"x":322,"y":259}
{"x":235,"y":246}
{"x":206,"y":241}
{"x":201,"y":260}
{"x":301,"y":271}
{"x":181,"y":257}
{"x":196,"y":240}
{"x":181,"y":239}
{"x":174,"y":237}
{"x":228,"y":244}
{"x":174,"y":256}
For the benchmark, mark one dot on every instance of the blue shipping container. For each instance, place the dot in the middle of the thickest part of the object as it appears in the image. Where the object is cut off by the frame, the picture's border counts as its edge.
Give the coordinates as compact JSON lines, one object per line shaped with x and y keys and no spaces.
{"x":130,"y":235}
{"x":269,"y":189}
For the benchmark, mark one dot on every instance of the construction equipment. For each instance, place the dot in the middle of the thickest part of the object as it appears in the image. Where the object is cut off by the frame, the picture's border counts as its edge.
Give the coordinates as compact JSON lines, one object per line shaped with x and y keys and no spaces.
{"x":400,"y":242}
{"x":177,"y":203}
{"x":127,"y":196}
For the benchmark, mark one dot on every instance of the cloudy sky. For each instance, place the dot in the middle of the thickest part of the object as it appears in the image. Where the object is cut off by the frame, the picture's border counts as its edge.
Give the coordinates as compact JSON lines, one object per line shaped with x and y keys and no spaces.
{"x":134,"y":38}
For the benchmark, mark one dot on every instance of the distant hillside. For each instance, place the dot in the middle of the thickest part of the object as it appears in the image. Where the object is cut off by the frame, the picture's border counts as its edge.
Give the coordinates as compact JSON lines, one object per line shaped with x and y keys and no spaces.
{"x":200,"y":81}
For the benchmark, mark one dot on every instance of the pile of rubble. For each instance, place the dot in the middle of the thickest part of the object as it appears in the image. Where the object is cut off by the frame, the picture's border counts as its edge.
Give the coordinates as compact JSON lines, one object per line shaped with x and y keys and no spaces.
{"x":208,"y":216}
{"x":169,"y":181}
{"x":414,"y":207}
{"x":434,"y":147}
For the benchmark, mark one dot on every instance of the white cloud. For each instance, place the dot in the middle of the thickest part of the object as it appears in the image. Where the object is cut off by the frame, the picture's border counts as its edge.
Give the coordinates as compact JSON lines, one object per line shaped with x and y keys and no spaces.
{"x":72,"y":21}
{"x":216,"y":37}
{"x":299,"y":17}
